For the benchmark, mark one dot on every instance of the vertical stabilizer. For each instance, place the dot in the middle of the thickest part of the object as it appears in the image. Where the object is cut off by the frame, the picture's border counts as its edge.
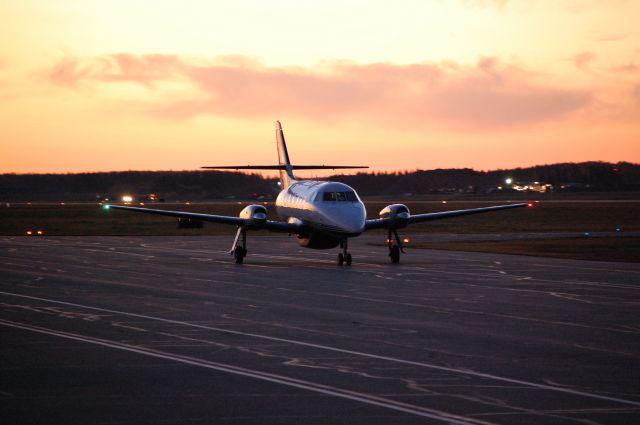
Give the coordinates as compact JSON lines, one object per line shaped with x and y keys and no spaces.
{"x":286,"y":175}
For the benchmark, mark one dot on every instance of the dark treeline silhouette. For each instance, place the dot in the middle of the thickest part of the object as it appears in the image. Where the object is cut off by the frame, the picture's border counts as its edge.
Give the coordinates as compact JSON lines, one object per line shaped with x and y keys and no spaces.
{"x":593,"y":176}
{"x":210,"y":185}
{"x":169,"y":185}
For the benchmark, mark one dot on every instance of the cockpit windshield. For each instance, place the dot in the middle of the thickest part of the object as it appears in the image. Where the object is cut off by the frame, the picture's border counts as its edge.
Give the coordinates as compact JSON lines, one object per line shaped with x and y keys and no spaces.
{"x":349,"y":196}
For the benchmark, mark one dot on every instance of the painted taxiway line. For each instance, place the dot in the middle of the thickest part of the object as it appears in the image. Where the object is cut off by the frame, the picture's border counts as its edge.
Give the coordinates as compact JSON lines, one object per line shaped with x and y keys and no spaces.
{"x":270,"y":377}
{"x":461,"y":371}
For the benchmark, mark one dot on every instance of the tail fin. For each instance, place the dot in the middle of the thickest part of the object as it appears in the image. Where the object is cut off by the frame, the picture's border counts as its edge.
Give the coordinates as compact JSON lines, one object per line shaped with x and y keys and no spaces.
{"x":286,"y":175}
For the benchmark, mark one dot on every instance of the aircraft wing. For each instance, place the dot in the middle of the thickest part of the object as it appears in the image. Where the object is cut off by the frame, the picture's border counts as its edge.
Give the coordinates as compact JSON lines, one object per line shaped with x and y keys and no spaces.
{"x":417,"y":218}
{"x":275,"y":226}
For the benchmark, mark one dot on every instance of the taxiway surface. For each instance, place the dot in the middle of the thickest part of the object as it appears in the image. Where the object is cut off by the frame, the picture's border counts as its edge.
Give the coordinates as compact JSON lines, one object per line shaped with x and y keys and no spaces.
{"x":170,"y":330}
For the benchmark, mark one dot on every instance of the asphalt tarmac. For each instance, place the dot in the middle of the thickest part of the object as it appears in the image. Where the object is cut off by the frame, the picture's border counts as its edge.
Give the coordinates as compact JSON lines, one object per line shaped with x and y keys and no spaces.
{"x":162,"y":330}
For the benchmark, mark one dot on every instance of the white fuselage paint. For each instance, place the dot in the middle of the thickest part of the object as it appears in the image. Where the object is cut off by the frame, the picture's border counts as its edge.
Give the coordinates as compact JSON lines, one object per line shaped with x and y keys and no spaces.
{"x":304,"y":202}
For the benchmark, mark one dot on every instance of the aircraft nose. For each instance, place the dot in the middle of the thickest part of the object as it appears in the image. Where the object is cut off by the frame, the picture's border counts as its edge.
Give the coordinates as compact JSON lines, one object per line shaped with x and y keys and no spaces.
{"x":354,"y":222}
{"x":357,"y":226}
{"x":345,"y":218}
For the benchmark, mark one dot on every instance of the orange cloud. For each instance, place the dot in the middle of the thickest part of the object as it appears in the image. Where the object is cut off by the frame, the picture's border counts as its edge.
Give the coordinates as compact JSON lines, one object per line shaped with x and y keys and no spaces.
{"x":489,"y":94}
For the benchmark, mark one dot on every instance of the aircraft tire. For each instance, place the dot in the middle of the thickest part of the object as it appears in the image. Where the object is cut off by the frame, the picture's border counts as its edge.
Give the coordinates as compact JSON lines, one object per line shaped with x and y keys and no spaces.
{"x":394,"y":253}
{"x":348,"y":259}
{"x":239,"y":254}
{"x":340,"y":259}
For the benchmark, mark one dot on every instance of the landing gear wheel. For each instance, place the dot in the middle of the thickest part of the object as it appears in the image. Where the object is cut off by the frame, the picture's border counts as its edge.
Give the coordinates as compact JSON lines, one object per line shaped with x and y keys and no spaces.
{"x":239,"y":247}
{"x":344,"y":256}
{"x":394,"y":253}
{"x":239,"y":253}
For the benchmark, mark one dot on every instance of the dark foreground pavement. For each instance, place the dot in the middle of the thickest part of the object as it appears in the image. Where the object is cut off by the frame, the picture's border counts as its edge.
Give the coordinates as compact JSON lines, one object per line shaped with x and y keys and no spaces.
{"x":154,"y":330}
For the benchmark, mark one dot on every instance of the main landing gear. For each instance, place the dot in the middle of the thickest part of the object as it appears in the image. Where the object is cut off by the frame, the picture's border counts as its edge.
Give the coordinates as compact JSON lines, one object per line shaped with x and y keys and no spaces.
{"x":239,"y":251}
{"x":395,"y":246}
{"x":344,"y":256}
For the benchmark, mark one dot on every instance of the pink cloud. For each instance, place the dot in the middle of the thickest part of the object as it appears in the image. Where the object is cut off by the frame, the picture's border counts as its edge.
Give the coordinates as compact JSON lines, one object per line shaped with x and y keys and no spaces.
{"x":583,"y":60}
{"x":630,"y":68}
{"x":143,"y":69}
{"x":67,"y":72}
{"x":489,"y":94}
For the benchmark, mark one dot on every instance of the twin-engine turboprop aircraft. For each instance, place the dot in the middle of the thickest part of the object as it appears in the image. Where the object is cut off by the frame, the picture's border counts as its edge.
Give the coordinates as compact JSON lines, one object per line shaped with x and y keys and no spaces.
{"x":322,"y":214}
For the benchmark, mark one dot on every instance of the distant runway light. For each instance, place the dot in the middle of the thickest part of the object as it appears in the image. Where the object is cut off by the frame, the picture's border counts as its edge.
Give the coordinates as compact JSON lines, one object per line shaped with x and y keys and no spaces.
{"x":508,"y":180}
{"x":127,"y":198}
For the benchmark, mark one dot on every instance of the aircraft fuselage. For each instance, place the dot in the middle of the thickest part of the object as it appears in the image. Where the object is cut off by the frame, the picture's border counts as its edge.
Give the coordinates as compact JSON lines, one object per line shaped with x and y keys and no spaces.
{"x":330,"y":210}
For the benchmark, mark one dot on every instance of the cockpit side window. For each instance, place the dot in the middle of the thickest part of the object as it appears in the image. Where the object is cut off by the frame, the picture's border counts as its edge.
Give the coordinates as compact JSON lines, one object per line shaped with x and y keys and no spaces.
{"x":351,"y":196}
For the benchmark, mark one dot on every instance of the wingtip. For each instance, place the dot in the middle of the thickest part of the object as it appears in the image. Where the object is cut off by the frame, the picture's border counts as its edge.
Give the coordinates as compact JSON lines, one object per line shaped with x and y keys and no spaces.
{"x":278,"y":125}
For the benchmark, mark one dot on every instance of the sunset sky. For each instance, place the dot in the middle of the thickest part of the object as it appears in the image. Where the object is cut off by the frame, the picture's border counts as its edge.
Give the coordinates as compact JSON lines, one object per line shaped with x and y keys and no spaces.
{"x":94,"y":85}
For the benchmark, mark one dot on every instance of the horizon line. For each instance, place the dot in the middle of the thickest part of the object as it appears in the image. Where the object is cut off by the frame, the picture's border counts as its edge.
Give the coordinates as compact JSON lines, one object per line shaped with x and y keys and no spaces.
{"x":371,"y":170}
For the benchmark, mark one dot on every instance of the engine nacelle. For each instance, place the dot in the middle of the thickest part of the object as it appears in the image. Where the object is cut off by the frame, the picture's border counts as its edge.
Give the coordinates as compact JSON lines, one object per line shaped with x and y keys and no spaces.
{"x":398,"y":214}
{"x":255,"y":214}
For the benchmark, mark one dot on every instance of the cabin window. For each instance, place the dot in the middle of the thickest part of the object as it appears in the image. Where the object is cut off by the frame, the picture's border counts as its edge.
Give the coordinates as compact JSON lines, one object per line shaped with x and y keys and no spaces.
{"x":349,"y":196}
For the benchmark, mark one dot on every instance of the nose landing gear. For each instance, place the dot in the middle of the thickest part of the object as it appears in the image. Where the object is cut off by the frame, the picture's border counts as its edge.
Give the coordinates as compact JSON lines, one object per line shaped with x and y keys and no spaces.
{"x":344,"y":256}
{"x":395,"y":246}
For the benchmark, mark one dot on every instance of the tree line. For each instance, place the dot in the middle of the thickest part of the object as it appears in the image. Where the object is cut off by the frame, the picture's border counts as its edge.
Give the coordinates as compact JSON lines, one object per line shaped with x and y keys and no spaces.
{"x":214,"y":185}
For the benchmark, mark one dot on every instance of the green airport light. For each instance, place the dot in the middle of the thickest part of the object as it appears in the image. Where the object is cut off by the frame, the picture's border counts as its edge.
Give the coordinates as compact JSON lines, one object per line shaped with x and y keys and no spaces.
{"x":106,"y":206}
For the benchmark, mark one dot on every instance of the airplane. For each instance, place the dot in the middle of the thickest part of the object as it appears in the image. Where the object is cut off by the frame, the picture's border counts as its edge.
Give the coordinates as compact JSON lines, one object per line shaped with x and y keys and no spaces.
{"x":322,"y":214}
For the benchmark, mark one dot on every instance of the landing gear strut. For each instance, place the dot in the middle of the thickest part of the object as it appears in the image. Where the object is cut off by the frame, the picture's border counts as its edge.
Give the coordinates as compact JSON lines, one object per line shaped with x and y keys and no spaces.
{"x":239,"y":251}
{"x":395,"y":246}
{"x":344,"y":256}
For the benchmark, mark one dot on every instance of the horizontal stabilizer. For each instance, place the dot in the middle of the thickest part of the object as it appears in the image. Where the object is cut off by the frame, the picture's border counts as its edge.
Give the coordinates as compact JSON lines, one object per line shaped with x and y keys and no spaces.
{"x":284,"y":167}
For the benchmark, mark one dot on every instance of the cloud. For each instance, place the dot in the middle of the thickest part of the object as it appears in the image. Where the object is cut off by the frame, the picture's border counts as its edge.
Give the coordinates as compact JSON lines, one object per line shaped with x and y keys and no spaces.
{"x":143,"y":69}
{"x":630,"y":68}
{"x":583,"y":60}
{"x":489,"y":94}
{"x":635,"y":93}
